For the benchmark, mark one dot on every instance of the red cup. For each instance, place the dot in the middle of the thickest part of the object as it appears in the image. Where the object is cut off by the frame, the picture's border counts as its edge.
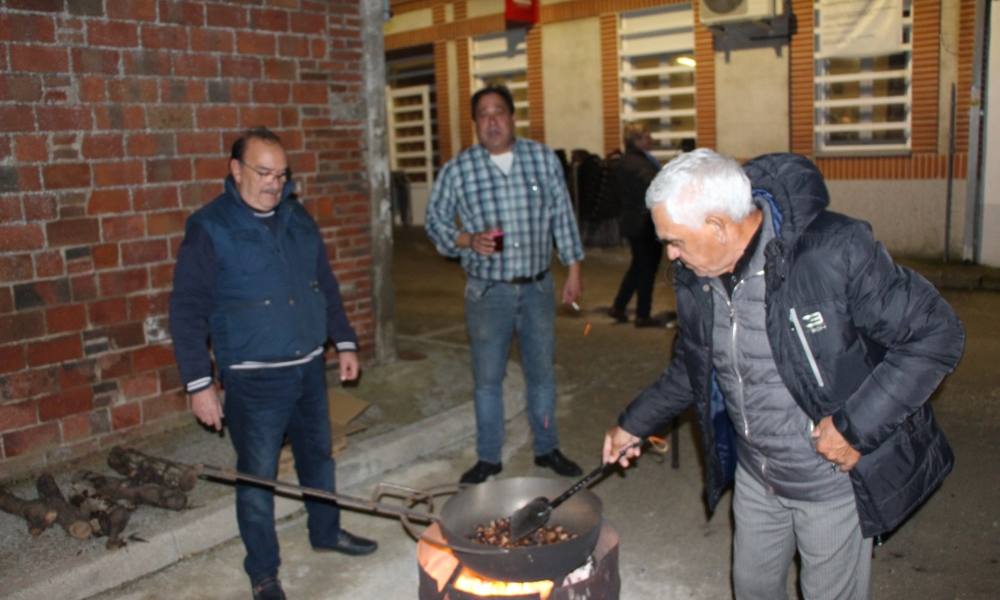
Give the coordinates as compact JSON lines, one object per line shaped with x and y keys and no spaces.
{"x":498,"y":241}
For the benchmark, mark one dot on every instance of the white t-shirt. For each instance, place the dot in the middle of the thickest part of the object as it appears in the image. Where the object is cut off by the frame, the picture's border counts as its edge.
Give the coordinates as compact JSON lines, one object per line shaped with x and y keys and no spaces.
{"x":503,"y":161}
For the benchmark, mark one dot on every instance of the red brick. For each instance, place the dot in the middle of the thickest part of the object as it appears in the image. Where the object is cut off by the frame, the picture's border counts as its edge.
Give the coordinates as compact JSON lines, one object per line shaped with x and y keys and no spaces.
{"x":92,"y":89}
{"x":126,"y":336}
{"x":118,"y":173}
{"x":20,"y":88}
{"x":141,"y":307}
{"x":29,"y":179}
{"x":248,"y":42}
{"x":317,"y":48}
{"x":112,"y":33}
{"x":152,"y":357}
{"x":26,"y":28}
{"x":73,"y":232}
{"x":120,"y":117}
{"x":64,"y":403}
{"x":162,"y":276}
{"x":209,"y":142}
{"x":307,"y":23}
{"x":105,"y":256}
{"x":66,"y":175}
{"x":212,"y":117}
{"x":151,"y":144}
{"x":142,"y":385}
{"x":245,"y":67}
{"x":36,"y":5}
{"x":62,"y":118}
{"x":129,"y":227}
{"x":309,"y":93}
{"x":11,"y":359}
{"x":18,"y":415}
{"x":210,"y":168}
{"x":39,"y":59}
{"x":155,"y":198}
{"x":31,"y":148}
{"x":268,"y":20}
{"x":196,"y":65}
{"x":253,"y":116}
{"x":133,"y":90}
{"x":170,"y":117}
{"x":271,"y":93}
{"x":67,"y":347}
{"x":7,"y":299}
{"x":168,"y":170}
{"x":131,"y":10}
{"x":170,"y":379}
{"x":49,"y":264}
{"x":165,"y":223}
{"x":10,"y":209}
{"x":164,"y":36}
{"x":144,"y":251}
{"x":66,"y":318}
{"x":32,"y":439}
{"x":108,"y":311}
{"x":27,"y":384}
{"x":16,"y":118}
{"x":40,"y":207}
{"x":75,"y":427}
{"x":40,"y":293}
{"x":196,"y":194}
{"x":15,"y":267}
{"x":125,"y":415}
{"x":280,"y":69}
{"x":181,"y":12}
{"x":21,"y":237}
{"x":293,"y":46}
{"x":182,"y":91}
{"x":163,"y":406}
{"x":123,"y":282}
{"x":83,"y":287}
{"x":75,"y":374}
{"x":96,"y":60}
{"x":114,"y":365}
{"x":103,"y":146}
{"x":213,"y":40}
{"x":219,"y":15}
{"x":108,"y":200}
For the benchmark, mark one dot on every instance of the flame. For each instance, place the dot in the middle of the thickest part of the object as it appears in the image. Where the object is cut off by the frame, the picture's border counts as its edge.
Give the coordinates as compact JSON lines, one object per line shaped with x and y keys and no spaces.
{"x":471,"y":583}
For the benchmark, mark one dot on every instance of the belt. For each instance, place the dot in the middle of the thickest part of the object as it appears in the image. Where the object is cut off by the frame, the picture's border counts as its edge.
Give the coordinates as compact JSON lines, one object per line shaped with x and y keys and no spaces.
{"x":531,"y":278}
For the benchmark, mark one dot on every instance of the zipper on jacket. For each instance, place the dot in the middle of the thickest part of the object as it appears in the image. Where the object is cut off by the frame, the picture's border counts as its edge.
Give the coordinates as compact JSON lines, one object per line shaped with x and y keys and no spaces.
{"x":794,"y":318}
{"x":736,"y":366}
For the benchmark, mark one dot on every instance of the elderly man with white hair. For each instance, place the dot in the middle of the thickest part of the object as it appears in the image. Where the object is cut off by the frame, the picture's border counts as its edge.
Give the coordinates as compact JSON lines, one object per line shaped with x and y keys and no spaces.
{"x":809,"y":356}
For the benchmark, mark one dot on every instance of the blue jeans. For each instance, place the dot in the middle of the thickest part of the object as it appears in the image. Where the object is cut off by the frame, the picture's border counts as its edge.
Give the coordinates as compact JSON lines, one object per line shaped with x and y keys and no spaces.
{"x":261,"y":406}
{"x":494,"y":313}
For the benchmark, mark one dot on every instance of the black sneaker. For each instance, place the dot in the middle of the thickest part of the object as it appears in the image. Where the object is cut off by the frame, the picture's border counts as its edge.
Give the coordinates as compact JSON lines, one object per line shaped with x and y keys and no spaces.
{"x":648,"y":322}
{"x":560,"y":464}
{"x":618,"y":314}
{"x":268,"y":588}
{"x":480,"y":472}
{"x":350,"y":544}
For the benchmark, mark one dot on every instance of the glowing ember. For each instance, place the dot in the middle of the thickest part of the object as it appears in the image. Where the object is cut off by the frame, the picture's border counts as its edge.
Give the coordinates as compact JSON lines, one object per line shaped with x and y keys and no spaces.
{"x":471,"y":583}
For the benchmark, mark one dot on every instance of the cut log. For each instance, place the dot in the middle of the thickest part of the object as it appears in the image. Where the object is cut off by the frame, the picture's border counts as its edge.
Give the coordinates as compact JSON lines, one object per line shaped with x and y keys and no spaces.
{"x":124,"y":490}
{"x":38,"y":515}
{"x":143,"y":468}
{"x":68,"y":516}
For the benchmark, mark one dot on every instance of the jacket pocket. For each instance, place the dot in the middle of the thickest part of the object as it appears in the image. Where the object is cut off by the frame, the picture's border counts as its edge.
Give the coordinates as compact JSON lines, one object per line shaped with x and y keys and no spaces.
{"x":476,"y":288}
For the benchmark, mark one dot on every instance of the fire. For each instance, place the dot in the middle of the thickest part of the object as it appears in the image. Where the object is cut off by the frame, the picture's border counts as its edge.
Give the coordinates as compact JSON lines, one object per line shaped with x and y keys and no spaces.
{"x":472,"y":583}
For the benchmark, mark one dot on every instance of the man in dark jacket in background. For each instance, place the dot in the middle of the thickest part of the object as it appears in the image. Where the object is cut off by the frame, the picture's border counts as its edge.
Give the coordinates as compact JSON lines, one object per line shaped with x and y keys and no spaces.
{"x":636,"y":169}
{"x":809,"y":356}
{"x":252,"y":276}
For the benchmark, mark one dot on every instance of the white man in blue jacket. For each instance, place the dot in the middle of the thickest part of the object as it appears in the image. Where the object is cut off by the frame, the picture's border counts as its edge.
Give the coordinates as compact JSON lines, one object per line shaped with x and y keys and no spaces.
{"x":252,"y":278}
{"x":809,"y":356}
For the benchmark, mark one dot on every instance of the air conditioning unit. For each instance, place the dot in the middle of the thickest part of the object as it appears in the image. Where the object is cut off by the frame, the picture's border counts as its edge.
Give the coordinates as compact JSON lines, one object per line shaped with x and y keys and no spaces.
{"x":725,"y":12}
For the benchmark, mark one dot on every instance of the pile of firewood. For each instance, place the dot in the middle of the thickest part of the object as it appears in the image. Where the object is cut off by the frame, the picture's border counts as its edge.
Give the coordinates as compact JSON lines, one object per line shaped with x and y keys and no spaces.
{"x":100,"y":506}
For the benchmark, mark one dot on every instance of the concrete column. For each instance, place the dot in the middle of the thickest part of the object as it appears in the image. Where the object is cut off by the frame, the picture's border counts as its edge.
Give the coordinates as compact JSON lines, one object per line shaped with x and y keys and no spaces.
{"x":373,"y":15}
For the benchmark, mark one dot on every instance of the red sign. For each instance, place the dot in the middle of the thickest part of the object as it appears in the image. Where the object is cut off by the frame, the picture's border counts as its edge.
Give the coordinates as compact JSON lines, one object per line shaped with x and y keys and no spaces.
{"x":521,"y":11}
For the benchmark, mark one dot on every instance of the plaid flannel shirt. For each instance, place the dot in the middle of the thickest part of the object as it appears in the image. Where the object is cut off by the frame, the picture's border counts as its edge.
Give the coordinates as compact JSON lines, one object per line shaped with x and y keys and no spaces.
{"x":531,"y":205}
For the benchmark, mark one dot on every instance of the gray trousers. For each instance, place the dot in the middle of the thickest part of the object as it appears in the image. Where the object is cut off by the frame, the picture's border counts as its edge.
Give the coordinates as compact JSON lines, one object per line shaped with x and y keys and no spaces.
{"x":836,"y":560}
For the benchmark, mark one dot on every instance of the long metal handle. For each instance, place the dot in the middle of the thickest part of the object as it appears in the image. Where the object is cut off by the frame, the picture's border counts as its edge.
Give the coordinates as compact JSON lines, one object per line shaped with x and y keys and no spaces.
{"x":284,"y":486}
{"x":590,"y":477}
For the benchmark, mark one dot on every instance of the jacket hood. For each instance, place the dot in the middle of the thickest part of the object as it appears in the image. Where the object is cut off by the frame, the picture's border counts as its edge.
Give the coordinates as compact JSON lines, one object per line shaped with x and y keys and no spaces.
{"x":795,"y":184}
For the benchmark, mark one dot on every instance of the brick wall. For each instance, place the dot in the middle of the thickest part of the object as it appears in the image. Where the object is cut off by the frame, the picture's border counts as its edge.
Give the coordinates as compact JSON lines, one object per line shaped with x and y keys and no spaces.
{"x":115,"y":120}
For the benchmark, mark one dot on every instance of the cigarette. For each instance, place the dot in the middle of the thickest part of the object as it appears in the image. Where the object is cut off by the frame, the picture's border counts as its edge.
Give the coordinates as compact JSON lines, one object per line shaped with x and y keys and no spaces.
{"x":575,"y":306}
{"x":586,"y":328}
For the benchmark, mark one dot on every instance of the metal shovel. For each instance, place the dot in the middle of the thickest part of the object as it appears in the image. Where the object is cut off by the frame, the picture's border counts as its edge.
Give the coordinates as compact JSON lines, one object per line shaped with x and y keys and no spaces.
{"x":536,"y":513}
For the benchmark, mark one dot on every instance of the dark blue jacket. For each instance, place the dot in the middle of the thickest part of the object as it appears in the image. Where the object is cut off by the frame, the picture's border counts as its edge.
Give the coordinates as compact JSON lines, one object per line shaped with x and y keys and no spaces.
{"x":259,"y":293}
{"x":880,"y":337}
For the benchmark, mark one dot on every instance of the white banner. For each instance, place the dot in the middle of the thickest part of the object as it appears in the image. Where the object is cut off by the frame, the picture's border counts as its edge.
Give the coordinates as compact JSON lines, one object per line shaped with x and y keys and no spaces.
{"x":860,"y":27}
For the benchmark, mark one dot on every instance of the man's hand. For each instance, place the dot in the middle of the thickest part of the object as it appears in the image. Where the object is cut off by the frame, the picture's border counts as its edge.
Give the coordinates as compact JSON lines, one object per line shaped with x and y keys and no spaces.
{"x":206,"y":406}
{"x":833,"y":447}
{"x":573,"y":288}
{"x":617,"y":438}
{"x":348,"y":363}
{"x":481,"y":242}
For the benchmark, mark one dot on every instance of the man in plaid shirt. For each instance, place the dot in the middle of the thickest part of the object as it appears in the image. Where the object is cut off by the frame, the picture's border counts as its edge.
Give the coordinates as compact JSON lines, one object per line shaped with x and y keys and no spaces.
{"x":511,"y":202}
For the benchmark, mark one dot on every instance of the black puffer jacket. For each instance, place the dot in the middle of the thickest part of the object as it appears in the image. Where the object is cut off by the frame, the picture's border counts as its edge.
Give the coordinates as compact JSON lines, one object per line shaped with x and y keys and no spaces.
{"x":854,"y":336}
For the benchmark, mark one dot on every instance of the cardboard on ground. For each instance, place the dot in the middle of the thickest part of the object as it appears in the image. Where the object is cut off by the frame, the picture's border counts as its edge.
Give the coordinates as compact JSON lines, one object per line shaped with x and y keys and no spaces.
{"x":344,"y":408}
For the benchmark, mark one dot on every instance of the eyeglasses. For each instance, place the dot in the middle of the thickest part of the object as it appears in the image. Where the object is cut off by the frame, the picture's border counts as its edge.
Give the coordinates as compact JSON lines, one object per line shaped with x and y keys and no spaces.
{"x":278,"y":176}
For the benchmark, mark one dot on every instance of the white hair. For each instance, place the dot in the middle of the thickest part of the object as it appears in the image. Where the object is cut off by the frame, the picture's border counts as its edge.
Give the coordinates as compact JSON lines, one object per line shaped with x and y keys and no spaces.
{"x":698,"y":183}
